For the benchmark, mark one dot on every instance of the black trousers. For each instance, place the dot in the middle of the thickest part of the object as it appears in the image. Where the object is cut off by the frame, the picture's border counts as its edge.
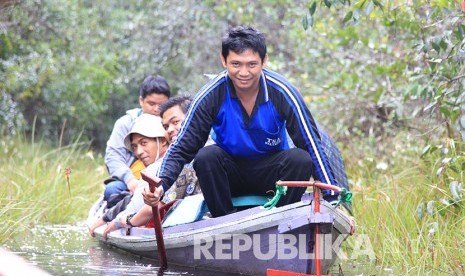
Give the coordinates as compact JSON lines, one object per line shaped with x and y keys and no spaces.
{"x":222,"y":176}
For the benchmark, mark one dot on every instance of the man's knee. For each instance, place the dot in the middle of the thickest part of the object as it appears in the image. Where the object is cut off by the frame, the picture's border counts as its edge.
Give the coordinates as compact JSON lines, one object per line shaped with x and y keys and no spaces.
{"x":299,"y":157}
{"x":299,"y":165}
{"x":114,"y":187}
{"x":208,"y":154}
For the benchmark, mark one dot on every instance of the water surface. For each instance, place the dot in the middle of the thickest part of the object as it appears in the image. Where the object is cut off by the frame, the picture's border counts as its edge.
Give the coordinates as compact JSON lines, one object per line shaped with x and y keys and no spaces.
{"x":66,"y":249}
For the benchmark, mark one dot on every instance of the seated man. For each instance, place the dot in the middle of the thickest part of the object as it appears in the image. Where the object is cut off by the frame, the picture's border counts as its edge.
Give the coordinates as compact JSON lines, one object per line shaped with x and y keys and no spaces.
{"x":251,"y":109}
{"x":148,"y":142}
{"x":172,"y":112}
{"x":121,"y":163}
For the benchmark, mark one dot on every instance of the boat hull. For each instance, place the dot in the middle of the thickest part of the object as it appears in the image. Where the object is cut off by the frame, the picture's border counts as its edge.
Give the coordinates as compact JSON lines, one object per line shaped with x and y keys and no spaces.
{"x":247,"y":242}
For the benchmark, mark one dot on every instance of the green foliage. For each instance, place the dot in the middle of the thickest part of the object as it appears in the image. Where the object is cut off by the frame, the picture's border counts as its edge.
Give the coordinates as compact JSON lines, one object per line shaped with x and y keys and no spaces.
{"x":384,"y":78}
{"x":447,"y":163}
{"x":406,"y":76}
{"x":11,"y":118}
{"x":75,"y":67}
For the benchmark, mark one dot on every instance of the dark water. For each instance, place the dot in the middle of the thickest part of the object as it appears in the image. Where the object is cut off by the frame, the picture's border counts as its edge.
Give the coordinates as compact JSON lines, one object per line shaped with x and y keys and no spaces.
{"x":65,"y":249}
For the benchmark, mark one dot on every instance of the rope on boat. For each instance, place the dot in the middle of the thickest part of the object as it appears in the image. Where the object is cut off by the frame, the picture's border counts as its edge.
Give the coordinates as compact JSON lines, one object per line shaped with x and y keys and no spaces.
{"x":280,"y":190}
{"x":344,"y":196}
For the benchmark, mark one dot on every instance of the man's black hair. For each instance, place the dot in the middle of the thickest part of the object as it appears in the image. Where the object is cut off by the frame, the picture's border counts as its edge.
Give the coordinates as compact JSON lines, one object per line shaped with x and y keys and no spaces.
{"x":182,"y":101}
{"x":154,"y":84}
{"x":241,"y":38}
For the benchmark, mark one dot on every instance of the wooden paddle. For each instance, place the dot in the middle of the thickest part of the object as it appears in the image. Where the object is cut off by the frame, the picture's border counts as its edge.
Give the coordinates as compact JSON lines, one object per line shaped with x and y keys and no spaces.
{"x":157,"y":222}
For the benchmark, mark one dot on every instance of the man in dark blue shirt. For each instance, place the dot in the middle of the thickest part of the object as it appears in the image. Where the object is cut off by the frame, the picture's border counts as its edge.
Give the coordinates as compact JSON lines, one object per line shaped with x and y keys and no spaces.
{"x":251,"y":110}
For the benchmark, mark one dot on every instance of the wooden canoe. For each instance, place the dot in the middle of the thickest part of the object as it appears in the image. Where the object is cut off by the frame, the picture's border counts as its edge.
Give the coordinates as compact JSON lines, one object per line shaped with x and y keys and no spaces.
{"x":247,"y":242}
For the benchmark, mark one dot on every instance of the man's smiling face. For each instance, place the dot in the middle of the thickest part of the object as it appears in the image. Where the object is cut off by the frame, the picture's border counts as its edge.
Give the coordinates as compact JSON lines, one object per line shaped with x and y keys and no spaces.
{"x":171,"y":120}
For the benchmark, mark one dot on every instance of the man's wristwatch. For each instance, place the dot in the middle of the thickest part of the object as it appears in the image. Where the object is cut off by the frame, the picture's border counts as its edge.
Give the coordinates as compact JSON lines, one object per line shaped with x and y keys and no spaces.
{"x":128,"y":220}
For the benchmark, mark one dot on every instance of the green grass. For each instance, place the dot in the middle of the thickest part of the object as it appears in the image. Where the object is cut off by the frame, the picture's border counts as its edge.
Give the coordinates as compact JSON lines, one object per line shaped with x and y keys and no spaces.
{"x":388,"y":188}
{"x":34,"y":189}
{"x":388,"y":178}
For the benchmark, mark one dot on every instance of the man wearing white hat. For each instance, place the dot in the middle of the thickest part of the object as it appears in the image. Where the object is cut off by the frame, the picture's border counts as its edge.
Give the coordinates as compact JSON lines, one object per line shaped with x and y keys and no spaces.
{"x":148,"y":142}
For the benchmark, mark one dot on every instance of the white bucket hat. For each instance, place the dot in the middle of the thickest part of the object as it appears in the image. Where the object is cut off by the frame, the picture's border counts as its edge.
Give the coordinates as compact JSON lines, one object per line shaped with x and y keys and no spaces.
{"x":147,"y":125}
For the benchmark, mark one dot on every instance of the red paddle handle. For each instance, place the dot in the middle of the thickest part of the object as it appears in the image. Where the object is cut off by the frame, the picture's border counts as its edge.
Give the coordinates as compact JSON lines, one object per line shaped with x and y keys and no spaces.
{"x":157,"y":222}
{"x":151,"y":180}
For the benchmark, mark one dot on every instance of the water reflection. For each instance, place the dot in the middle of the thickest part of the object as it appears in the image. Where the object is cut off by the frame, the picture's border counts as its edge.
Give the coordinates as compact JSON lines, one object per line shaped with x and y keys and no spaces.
{"x":64,"y":249}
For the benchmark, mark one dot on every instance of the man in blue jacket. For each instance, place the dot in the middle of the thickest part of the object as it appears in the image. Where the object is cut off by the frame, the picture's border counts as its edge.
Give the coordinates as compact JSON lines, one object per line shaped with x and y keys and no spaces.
{"x":249,"y":108}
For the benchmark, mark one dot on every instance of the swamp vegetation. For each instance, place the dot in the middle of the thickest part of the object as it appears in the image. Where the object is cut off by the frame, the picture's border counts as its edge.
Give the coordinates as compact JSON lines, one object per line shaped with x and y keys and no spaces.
{"x":385,"y":78}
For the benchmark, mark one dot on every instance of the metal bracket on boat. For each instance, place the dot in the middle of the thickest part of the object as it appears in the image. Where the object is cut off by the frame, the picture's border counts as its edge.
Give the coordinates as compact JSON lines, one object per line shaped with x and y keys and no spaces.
{"x":307,"y":198}
{"x":316,"y":218}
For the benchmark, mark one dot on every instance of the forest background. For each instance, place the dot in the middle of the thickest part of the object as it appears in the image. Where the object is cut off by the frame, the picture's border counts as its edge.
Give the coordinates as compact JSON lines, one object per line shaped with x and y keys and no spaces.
{"x":385,"y":78}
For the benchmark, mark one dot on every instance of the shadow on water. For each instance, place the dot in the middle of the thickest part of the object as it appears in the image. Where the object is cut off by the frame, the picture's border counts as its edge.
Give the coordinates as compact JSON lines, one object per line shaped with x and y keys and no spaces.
{"x":65,"y":249}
